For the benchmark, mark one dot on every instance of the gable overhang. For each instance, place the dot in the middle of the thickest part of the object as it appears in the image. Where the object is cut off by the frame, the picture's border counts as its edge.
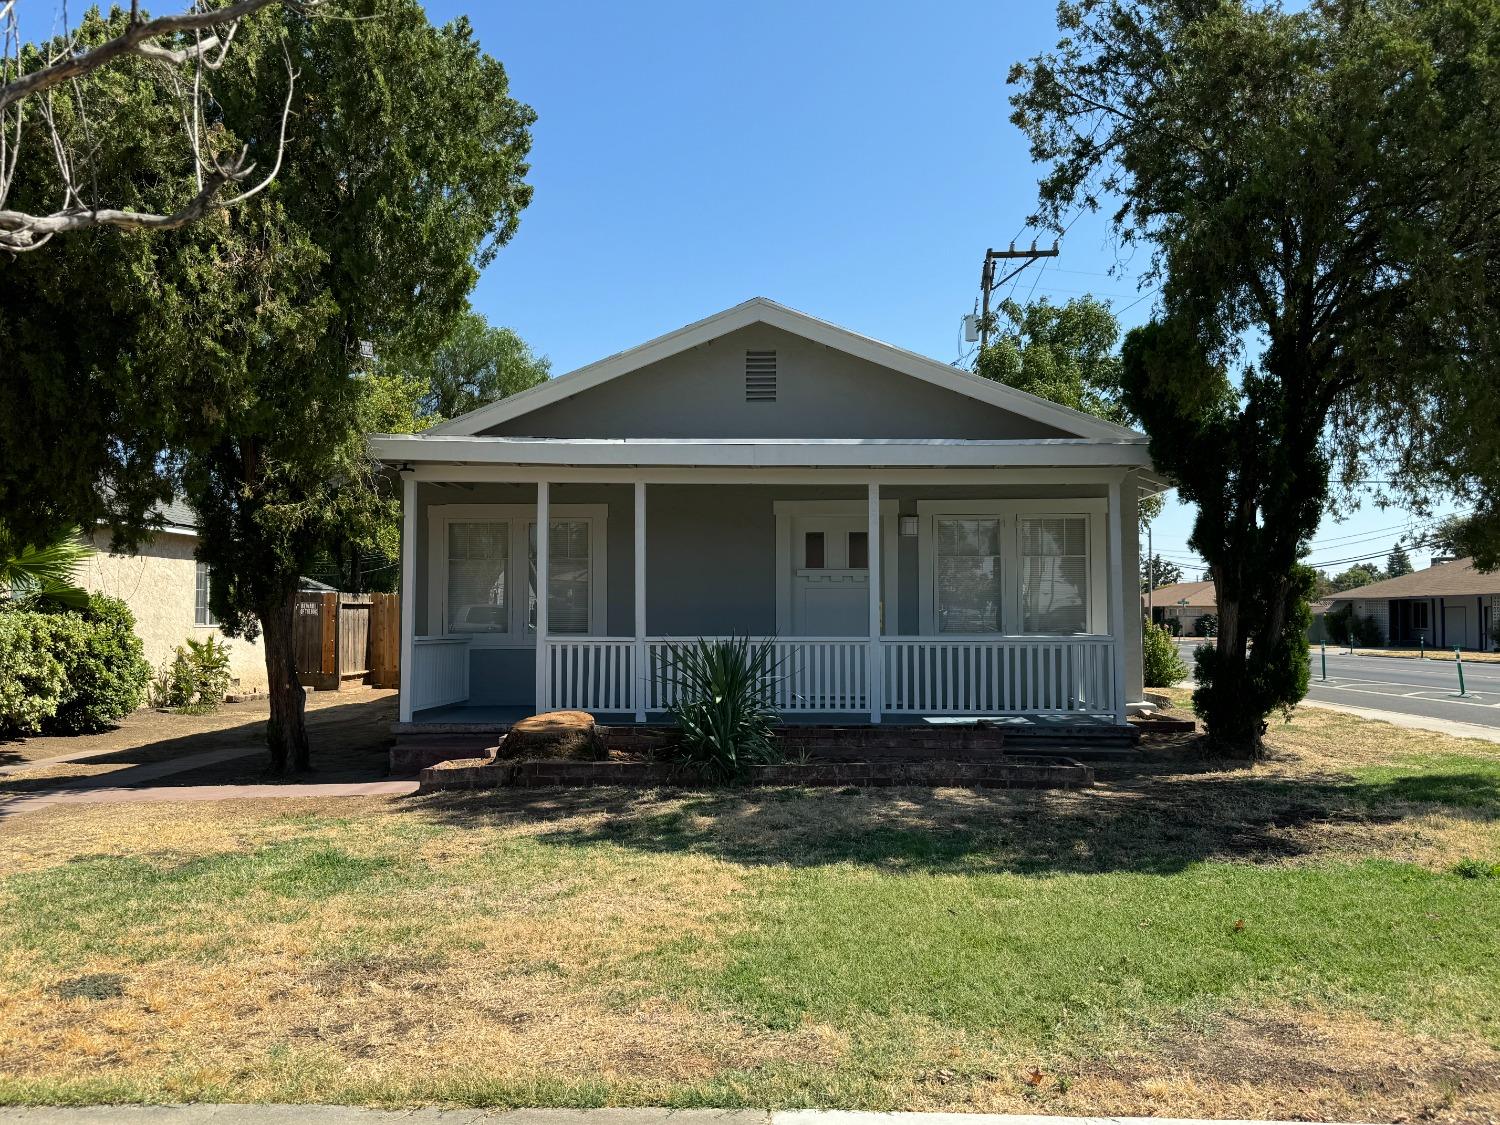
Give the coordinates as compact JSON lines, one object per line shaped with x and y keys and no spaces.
{"x":760,"y":310}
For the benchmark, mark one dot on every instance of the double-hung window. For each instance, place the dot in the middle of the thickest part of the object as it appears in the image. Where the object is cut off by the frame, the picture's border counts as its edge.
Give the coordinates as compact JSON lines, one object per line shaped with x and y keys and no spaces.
{"x":486,"y":557}
{"x":569,"y":577}
{"x":969,"y":592}
{"x":1054,"y":574}
{"x":478,"y":576}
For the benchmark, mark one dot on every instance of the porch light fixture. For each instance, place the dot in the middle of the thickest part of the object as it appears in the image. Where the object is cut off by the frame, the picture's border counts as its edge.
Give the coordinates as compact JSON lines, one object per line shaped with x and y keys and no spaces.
{"x":909,"y":526}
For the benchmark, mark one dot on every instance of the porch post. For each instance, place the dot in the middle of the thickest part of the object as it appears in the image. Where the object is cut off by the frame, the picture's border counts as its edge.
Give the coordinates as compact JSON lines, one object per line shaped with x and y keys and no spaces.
{"x":875,"y":665}
{"x":543,"y":537}
{"x":408,"y":590}
{"x":1117,"y":594}
{"x":641,"y":671}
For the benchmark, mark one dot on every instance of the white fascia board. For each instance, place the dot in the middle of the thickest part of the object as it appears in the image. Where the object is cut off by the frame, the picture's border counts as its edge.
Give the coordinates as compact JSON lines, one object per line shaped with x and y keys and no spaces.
{"x":760,"y":310}
{"x":412,"y":448}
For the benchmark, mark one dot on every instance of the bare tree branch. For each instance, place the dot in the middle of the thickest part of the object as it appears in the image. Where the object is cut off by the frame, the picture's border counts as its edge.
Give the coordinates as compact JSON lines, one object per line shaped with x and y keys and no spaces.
{"x":211,"y":31}
{"x":138,"y":39}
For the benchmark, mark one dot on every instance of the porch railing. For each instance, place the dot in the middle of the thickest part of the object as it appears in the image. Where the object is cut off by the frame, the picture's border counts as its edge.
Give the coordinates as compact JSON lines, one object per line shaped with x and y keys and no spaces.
{"x":439,"y":671}
{"x":832,"y":675}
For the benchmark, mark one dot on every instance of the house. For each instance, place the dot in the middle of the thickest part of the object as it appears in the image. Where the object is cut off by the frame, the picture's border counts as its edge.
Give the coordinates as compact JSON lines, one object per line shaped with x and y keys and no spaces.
{"x":166,"y":589}
{"x":1182,"y":606}
{"x":920,"y":542}
{"x":1448,"y":605}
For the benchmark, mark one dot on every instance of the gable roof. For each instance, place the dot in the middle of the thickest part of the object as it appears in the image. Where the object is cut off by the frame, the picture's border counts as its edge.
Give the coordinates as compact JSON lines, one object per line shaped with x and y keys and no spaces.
{"x":1198,"y":594}
{"x":1443,"y":580}
{"x":759,"y":310}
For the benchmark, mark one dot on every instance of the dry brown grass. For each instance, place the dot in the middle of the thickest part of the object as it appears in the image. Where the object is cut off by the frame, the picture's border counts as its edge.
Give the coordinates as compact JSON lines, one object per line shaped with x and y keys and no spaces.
{"x":515,"y":954}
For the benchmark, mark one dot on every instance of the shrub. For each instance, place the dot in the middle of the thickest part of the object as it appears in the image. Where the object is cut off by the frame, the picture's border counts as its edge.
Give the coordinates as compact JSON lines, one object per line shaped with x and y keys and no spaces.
{"x":724,"y":706}
{"x":1339,"y":624}
{"x":31,"y":675}
{"x":67,"y":672}
{"x":1161,"y":665}
{"x":196,"y":676}
{"x":1207,"y":625}
{"x":104,"y":672}
{"x":1366,"y":632}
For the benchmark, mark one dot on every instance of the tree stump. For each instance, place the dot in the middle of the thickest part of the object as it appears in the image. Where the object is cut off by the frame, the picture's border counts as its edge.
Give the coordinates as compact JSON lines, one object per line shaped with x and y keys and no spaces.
{"x":570,"y":735}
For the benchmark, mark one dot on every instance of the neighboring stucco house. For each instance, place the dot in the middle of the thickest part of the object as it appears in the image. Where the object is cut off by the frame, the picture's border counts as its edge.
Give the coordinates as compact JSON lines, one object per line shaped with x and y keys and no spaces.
{"x":1450,"y":605}
{"x":1185,"y":603}
{"x":920,"y":542}
{"x":167,"y":591}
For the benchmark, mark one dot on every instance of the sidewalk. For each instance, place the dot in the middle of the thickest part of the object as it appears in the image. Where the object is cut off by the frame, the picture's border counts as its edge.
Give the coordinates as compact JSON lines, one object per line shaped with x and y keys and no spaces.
{"x":346,"y":1115}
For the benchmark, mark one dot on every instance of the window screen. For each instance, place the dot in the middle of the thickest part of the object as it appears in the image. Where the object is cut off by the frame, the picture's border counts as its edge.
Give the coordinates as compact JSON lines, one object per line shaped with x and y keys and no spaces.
{"x":968,"y":575}
{"x":478,"y":566}
{"x":569,"y":595}
{"x":202,"y":615}
{"x":1055,"y":574}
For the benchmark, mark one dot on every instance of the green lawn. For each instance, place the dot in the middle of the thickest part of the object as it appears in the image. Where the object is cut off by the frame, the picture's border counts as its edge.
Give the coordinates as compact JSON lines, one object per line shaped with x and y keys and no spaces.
{"x":1186,"y":938}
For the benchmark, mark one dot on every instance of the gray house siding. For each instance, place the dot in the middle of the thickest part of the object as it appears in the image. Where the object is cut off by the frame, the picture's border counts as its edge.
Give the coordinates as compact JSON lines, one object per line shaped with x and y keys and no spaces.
{"x":821,"y":393}
{"x":711,"y":562}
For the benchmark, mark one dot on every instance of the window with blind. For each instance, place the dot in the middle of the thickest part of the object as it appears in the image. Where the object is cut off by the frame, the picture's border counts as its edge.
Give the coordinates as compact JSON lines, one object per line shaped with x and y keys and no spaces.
{"x":569,"y":594}
{"x":478,"y":576}
{"x":202,"y":614}
{"x":968,"y":574}
{"x":1054,"y":574}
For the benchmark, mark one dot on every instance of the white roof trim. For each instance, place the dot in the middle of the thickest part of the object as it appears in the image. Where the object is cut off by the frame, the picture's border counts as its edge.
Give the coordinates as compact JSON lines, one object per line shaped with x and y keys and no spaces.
{"x":398,"y":449}
{"x":760,"y":310}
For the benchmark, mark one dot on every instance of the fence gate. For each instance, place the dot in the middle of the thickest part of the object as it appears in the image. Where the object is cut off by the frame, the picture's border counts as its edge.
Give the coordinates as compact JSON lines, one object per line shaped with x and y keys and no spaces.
{"x":346,"y":638}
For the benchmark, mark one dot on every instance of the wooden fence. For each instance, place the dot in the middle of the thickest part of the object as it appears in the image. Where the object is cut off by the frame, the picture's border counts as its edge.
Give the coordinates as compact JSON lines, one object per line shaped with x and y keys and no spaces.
{"x":347,"y":638}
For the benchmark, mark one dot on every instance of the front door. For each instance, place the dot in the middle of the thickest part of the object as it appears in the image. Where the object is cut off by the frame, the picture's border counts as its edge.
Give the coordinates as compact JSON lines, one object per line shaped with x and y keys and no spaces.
{"x":830,"y":576}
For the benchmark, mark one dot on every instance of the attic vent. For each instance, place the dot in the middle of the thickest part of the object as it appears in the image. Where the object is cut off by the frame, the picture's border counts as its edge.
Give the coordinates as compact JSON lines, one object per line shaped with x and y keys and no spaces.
{"x":760,"y":376}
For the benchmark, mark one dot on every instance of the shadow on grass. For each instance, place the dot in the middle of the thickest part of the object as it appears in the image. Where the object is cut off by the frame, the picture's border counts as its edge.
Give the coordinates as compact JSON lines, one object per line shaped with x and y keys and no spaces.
{"x":350,"y":741}
{"x":1156,"y":817}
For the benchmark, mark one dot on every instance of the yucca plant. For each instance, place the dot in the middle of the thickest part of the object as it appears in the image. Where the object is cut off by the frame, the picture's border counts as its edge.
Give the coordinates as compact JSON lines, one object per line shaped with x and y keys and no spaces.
{"x":724,"y":708}
{"x":45,"y":574}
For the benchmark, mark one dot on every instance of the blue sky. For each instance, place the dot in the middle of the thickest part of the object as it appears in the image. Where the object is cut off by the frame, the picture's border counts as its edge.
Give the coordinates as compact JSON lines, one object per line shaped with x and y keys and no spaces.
{"x":852,"y":160}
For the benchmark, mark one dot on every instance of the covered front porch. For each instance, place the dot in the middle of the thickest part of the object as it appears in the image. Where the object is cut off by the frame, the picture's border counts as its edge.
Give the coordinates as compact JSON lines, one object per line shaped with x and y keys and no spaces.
{"x":915,"y":596}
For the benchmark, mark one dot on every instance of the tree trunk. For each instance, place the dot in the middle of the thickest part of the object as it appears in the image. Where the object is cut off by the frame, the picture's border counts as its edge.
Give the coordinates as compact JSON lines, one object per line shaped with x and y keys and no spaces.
{"x":286,"y":733}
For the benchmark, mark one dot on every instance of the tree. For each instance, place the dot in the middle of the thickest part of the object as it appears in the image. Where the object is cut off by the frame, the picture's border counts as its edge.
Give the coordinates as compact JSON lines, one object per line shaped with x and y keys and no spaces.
{"x":1398,"y":562}
{"x":278,"y":469}
{"x":476,"y":364}
{"x":1157,"y":572}
{"x":226,"y":352}
{"x":1475,"y":536}
{"x":1360,"y":574}
{"x":1324,"y":300}
{"x":186,"y":50}
{"x":1065,"y":353}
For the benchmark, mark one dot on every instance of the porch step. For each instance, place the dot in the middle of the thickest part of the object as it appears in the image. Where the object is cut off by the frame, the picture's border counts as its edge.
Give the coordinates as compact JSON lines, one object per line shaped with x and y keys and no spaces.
{"x":418,"y":746}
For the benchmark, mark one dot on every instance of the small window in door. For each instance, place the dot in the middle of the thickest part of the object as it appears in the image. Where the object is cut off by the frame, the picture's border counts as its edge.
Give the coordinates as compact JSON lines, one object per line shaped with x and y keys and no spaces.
{"x":859,"y":550}
{"x":812,"y":551}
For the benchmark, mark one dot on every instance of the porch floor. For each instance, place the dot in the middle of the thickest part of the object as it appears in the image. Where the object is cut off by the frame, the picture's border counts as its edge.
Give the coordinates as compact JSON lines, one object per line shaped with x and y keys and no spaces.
{"x":464,"y":714}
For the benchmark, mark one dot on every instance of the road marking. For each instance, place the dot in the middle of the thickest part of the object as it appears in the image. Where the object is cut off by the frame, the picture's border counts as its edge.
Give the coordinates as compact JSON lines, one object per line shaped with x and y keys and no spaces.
{"x":1471,"y":701}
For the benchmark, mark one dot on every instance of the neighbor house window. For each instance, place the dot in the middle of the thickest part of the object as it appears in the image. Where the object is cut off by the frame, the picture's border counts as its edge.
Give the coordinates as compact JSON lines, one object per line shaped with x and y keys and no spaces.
{"x":1054,"y":574}
{"x":478,"y":576}
{"x":968,"y":574}
{"x":202,"y":614}
{"x":569,"y":594}
{"x":859,"y":550}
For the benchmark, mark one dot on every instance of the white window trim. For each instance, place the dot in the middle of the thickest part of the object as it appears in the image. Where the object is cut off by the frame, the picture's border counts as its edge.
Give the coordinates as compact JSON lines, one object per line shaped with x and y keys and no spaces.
{"x":208,"y":579}
{"x":1009,"y":513}
{"x":787,"y":510}
{"x":521,"y":517}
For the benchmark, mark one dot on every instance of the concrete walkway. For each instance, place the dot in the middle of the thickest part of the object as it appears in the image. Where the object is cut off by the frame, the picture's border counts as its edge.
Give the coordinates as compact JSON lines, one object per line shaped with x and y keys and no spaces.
{"x":118,"y":795}
{"x":159,"y":769}
{"x":346,"y":1115}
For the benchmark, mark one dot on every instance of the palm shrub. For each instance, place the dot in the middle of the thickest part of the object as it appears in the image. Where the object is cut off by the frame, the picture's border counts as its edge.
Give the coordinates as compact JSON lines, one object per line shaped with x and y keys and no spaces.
{"x":196,"y":676}
{"x":1161,"y":665}
{"x":45,"y":574}
{"x":724,"y":709}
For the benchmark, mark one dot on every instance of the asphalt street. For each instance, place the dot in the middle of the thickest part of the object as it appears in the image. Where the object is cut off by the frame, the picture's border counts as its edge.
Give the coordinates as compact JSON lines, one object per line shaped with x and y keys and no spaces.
{"x":1406,"y":685}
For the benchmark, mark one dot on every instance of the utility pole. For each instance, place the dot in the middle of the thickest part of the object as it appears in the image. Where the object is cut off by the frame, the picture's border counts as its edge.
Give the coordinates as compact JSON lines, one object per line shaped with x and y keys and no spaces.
{"x":988,"y":284}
